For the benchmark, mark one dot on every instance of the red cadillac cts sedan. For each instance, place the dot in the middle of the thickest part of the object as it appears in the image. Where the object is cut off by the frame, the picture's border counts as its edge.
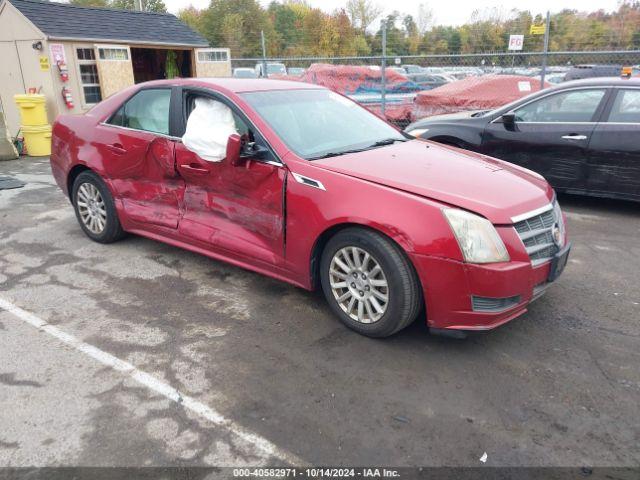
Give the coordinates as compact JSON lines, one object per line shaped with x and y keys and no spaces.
{"x":302,"y":184}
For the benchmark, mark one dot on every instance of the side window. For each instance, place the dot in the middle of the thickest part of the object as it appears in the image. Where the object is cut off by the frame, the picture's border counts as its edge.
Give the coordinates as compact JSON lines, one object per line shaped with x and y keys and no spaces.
{"x":209,"y":125}
{"x":626,"y":107}
{"x":571,"y":106}
{"x":147,"y":110}
{"x":241,"y":127}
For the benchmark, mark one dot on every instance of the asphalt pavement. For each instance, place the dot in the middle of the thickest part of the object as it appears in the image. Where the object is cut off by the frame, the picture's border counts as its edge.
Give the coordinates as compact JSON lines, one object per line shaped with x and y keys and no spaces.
{"x":140,"y":354}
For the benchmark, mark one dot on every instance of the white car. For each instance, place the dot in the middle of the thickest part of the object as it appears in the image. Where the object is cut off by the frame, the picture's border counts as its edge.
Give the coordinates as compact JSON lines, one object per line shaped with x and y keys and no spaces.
{"x":241,"y":72}
{"x":273,"y":68}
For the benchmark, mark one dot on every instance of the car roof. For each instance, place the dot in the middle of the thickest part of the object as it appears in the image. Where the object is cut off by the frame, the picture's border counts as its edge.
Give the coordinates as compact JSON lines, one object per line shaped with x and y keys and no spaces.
{"x":602,"y":81}
{"x":237,"y":85}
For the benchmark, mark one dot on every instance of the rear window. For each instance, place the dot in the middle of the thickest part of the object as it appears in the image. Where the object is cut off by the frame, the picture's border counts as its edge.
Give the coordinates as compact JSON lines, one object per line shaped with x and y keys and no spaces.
{"x":626,"y":107}
{"x":147,"y":110}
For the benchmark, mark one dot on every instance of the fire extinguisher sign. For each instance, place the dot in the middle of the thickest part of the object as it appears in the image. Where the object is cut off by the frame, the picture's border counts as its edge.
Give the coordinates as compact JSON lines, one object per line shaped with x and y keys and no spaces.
{"x":57,"y":53}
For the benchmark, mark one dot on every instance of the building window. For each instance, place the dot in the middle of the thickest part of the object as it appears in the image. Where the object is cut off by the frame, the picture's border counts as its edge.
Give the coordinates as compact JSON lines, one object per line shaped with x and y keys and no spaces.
{"x":213,"y":55}
{"x":86,"y":54}
{"x":111,"y":53}
{"x":89,"y":79}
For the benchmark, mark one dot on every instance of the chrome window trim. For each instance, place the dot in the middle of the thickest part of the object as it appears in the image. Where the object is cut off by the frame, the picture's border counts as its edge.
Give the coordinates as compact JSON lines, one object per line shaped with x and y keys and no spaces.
{"x":532,"y":213}
{"x":618,"y":123}
{"x":105,"y":124}
{"x":556,"y":123}
{"x":554,"y":92}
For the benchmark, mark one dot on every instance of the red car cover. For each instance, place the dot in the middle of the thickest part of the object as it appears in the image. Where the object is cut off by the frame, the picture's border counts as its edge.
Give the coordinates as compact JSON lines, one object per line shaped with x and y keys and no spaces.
{"x":364,"y":85}
{"x":474,"y":93}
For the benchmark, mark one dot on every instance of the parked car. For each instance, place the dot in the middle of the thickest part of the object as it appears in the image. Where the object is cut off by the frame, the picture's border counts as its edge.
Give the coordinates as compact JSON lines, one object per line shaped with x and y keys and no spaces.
{"x":273,"y":68}
{"x":552,"y":78}
{"x":244,"y":73}
{"x":313,"y":189}
{"x":411,"y":69}
{"x":473,"y":93}
{"x":429,"y":81}
{"x":580,"y":72}
{"x":296,"y":71}
{"x":399,"y":70}
{"x":582,"y":136}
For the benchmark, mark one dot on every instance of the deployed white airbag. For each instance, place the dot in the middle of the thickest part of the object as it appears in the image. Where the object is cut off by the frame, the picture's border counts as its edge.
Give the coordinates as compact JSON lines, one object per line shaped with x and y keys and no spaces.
{"x":208,"y":129}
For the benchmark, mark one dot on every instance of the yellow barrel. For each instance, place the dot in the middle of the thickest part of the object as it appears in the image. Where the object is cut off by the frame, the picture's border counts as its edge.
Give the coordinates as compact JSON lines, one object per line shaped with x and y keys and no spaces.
{"x":33,"y":110}
{"x":37,"y":140}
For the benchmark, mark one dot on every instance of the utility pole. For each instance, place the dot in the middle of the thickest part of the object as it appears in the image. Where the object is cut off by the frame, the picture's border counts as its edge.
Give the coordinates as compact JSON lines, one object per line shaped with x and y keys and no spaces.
{"x":546,"y":50}
{"x":137,"y":5}
{"x":384,"y":68}
{"x":264,"y":54}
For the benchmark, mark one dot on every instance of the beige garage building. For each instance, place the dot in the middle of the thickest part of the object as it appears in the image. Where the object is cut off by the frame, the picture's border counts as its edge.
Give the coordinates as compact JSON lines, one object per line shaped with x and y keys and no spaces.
{"x":76,"y":56}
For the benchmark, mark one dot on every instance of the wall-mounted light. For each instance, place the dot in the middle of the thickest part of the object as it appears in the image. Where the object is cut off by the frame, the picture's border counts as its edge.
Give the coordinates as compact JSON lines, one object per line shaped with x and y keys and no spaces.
{"x":37,"y":45}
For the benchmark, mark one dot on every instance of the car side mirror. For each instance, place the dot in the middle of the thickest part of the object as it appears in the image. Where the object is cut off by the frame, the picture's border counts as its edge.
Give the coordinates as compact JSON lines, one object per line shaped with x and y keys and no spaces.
{"x":509,"y":119}
{"x":253,"y":150}
{"x":234,"y":145}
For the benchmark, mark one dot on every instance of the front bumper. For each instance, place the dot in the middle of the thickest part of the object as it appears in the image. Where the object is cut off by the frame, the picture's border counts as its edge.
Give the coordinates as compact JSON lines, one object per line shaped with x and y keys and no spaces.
{"x":449,"y":286}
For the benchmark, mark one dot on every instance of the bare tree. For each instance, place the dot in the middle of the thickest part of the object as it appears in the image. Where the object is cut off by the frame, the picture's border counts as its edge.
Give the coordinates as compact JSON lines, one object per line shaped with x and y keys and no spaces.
{"x":362,"y":13}
{"x":426,"y":18}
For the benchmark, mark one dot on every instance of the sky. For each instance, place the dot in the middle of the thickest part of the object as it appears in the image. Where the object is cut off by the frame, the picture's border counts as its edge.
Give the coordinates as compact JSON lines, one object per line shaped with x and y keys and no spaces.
{"x":453,"y":12}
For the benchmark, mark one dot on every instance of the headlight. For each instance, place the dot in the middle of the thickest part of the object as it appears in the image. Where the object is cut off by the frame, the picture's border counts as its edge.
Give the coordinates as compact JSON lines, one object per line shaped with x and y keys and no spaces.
{"x":559,"y":235}
{"x":416,"y":132}
{"x":477,"y":237}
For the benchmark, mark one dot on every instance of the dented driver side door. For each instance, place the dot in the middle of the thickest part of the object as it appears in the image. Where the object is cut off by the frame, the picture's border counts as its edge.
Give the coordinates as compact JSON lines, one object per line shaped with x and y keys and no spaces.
{"x":234,"y":209}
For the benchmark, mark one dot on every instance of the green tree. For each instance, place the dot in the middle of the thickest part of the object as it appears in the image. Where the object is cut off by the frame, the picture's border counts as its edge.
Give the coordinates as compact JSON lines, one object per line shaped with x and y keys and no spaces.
{"x":90,"y":3}
{"x":241,"y":31}
{"x":362,"y":13}
{"x":147,"y":5}
{"x":192,"y":17}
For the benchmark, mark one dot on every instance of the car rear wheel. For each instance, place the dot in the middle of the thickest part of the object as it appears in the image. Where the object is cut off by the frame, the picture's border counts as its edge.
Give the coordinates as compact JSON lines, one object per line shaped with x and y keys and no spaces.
{"x":95,"y":209}
{"x":369,"y":282}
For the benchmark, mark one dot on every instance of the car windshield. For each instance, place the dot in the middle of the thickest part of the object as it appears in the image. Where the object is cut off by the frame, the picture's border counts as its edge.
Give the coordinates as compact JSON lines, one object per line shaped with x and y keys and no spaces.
{"x":321,"y":123}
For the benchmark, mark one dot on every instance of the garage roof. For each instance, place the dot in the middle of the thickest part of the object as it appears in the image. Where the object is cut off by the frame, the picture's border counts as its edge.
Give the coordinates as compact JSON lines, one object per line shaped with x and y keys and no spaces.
{"x":62,"y":21}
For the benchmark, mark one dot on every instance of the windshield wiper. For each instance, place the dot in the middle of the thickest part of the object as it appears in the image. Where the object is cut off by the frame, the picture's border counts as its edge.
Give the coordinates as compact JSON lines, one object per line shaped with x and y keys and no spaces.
{"x":387,"y":141}
{"x":379,"y":143}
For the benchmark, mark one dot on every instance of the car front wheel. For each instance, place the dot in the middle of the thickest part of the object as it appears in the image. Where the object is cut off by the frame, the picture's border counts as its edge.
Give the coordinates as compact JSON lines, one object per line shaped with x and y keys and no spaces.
{"x":95,"y":209}
{"x":369,"y":282}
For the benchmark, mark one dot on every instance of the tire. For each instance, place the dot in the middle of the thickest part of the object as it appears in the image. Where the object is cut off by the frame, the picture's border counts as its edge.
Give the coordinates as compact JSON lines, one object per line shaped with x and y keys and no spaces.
{"x":403,"y":291}
{"x":88,"y":186}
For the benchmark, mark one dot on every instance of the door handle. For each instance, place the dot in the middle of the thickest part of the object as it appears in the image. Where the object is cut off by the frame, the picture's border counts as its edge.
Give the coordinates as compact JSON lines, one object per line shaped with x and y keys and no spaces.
{"x":117,"y":148}
{"x":195,"y":169}
{"x":574,"y":136}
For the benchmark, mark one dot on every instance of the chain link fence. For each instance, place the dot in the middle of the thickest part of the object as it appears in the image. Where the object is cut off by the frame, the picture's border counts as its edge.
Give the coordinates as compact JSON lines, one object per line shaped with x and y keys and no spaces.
{"x":434,"y":70}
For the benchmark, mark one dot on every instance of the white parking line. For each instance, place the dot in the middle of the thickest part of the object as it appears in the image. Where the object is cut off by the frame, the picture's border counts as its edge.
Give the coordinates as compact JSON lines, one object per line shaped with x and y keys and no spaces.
{"x":264,"y":448}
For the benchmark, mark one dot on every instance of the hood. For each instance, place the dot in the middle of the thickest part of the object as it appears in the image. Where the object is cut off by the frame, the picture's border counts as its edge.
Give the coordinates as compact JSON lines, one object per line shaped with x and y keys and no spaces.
{"x":452,"y":116}
{"x":444,"y":118}
{"x":492,"y":188}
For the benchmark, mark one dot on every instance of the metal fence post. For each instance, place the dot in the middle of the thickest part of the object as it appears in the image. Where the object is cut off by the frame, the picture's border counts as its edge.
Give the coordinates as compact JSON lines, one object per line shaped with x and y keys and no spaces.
{"x":384,"y":68}
{"x":264,"y":55}
{"x":546,"y":50}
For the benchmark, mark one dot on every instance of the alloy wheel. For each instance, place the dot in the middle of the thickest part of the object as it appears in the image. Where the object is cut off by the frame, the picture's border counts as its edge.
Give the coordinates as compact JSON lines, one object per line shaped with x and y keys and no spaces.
{"x":91,"y":208}
{"x":359,"y":284}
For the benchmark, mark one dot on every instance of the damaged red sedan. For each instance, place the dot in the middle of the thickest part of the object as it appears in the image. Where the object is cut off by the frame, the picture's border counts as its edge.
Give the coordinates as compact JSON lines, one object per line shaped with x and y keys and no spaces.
{"x":302,"y":184}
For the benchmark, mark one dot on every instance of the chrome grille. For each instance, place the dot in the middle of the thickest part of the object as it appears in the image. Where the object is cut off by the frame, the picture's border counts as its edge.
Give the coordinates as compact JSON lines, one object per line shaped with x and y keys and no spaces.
{"x":536,"y":235}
